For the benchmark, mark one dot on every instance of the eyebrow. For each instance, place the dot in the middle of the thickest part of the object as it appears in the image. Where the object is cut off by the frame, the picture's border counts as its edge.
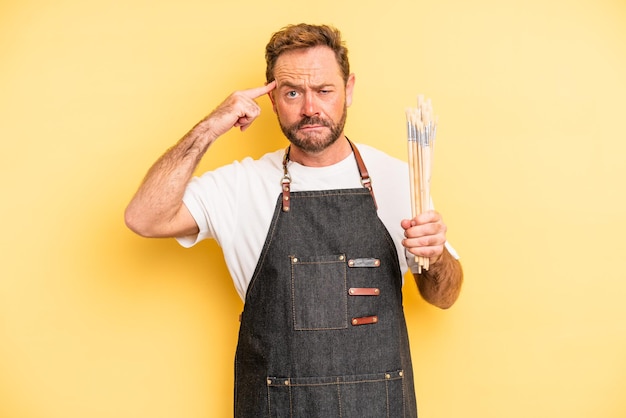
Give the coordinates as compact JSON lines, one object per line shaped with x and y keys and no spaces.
{"x":289,"y":84}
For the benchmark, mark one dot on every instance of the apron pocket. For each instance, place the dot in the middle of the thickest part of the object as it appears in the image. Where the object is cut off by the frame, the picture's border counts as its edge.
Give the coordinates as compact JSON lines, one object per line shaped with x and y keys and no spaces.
{"x":360,"y":396}
{"x":319,"y":292}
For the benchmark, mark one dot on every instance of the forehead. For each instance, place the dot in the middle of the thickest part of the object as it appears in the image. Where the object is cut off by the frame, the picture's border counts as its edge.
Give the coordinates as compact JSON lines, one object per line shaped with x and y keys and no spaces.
{"x":317,"y":64}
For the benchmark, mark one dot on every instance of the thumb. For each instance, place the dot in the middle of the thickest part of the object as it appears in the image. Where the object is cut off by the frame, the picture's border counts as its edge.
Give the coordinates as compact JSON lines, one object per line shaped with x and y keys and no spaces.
{"x":406,"y":224}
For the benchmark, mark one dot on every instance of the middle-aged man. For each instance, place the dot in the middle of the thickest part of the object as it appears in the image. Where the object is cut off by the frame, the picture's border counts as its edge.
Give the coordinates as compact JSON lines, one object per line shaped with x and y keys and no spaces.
{"x":317,"y":239}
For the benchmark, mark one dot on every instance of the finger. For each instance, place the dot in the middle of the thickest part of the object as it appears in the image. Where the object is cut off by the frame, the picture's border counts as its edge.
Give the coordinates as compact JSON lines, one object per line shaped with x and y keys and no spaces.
{"x":428,"y":228}
{"x":243,"y":123}
{"x":256,"y":92}
{"x":433,"y":253}
{"x":430,"y":216}
{"x":424,"y":241}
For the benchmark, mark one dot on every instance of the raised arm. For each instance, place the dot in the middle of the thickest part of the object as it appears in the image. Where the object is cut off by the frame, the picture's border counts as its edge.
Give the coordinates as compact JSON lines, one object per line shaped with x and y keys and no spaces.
{"x":425,"y":235}
{"x":157,"y":208}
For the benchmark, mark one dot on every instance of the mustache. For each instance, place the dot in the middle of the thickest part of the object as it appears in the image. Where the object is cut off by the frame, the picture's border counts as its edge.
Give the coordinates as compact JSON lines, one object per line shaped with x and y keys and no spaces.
{"x":312,"y":120}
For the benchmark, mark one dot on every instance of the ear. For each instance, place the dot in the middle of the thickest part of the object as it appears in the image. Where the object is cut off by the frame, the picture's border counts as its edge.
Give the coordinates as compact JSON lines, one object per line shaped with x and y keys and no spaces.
{"x":349,"y":89}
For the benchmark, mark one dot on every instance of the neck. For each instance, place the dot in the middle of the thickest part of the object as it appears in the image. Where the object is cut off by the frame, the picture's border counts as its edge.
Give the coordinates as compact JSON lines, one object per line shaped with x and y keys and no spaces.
{"x":333,"y":154}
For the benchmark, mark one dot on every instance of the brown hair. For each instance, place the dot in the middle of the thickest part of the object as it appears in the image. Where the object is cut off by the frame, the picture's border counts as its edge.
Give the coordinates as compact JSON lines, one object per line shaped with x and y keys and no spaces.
{"x":304,"y":36}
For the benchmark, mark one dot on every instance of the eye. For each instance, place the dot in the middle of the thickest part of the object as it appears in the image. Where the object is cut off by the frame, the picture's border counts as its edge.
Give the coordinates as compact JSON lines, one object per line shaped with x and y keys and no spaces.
{"x":292,"y":94}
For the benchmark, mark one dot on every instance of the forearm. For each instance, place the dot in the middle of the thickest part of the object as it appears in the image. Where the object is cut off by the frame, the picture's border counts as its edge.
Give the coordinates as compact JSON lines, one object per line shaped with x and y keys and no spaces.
{"x":440,"y":285}
{"x":159,"y":198}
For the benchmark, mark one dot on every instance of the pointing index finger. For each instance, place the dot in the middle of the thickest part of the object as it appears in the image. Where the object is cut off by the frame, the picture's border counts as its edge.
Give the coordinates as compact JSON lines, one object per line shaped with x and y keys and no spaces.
{"x":260,"y":91}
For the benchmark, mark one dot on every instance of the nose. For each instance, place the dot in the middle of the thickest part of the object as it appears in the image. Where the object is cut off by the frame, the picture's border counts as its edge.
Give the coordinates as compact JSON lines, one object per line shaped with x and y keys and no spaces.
{"x":309,"y":105}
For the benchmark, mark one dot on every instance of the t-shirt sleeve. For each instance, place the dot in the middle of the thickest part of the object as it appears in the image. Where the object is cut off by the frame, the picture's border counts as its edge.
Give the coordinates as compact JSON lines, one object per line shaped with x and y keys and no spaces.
{"x":196,"y":211}
{"x":211,"y":201}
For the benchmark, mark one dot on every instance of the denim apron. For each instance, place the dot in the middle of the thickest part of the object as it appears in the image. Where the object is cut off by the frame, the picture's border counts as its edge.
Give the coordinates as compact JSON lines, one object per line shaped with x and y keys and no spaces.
{"x":323,"y":333}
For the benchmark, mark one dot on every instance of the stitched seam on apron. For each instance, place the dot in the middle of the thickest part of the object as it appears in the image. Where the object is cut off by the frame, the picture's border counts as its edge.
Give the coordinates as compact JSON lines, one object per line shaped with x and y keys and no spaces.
{"x":294,"y":195}
{"x":387,"y":396}
{"x":339,"y":382}
{"x":339,"y":397}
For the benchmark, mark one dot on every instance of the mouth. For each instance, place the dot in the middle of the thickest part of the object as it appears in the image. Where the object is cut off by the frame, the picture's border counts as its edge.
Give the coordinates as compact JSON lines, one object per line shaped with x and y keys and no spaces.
{"x":311,"y":127}
{"x":312,"y":123}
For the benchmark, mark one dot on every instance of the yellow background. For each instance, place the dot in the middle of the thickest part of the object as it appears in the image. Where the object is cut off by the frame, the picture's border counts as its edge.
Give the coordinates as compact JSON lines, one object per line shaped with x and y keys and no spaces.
{"x":96,"y":322}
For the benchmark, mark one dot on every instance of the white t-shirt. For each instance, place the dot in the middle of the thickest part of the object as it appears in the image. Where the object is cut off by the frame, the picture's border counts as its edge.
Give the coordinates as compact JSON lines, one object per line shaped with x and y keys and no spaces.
{"x":235,"y":203}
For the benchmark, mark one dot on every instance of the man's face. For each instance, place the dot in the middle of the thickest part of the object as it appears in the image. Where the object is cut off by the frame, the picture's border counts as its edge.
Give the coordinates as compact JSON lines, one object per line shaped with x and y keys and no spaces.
{"x":310,"y":98}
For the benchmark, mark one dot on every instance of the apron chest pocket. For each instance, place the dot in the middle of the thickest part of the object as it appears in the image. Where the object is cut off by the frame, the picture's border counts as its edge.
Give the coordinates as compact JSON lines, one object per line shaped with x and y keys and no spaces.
{"x":360,"y":396}
{"x":319,"y":292}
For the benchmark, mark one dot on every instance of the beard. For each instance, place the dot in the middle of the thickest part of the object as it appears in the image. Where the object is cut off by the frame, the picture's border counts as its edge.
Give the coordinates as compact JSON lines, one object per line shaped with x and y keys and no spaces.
{"x":314,"y":142}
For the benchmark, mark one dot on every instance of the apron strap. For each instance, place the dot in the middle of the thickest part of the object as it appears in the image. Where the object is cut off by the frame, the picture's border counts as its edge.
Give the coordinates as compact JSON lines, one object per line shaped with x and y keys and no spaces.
{"x":286,"y":182}
{"x":366,"y":181}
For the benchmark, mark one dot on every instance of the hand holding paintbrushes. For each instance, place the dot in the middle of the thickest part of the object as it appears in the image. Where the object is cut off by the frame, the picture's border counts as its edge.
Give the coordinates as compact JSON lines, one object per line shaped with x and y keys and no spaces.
{"x":421,"y":131}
